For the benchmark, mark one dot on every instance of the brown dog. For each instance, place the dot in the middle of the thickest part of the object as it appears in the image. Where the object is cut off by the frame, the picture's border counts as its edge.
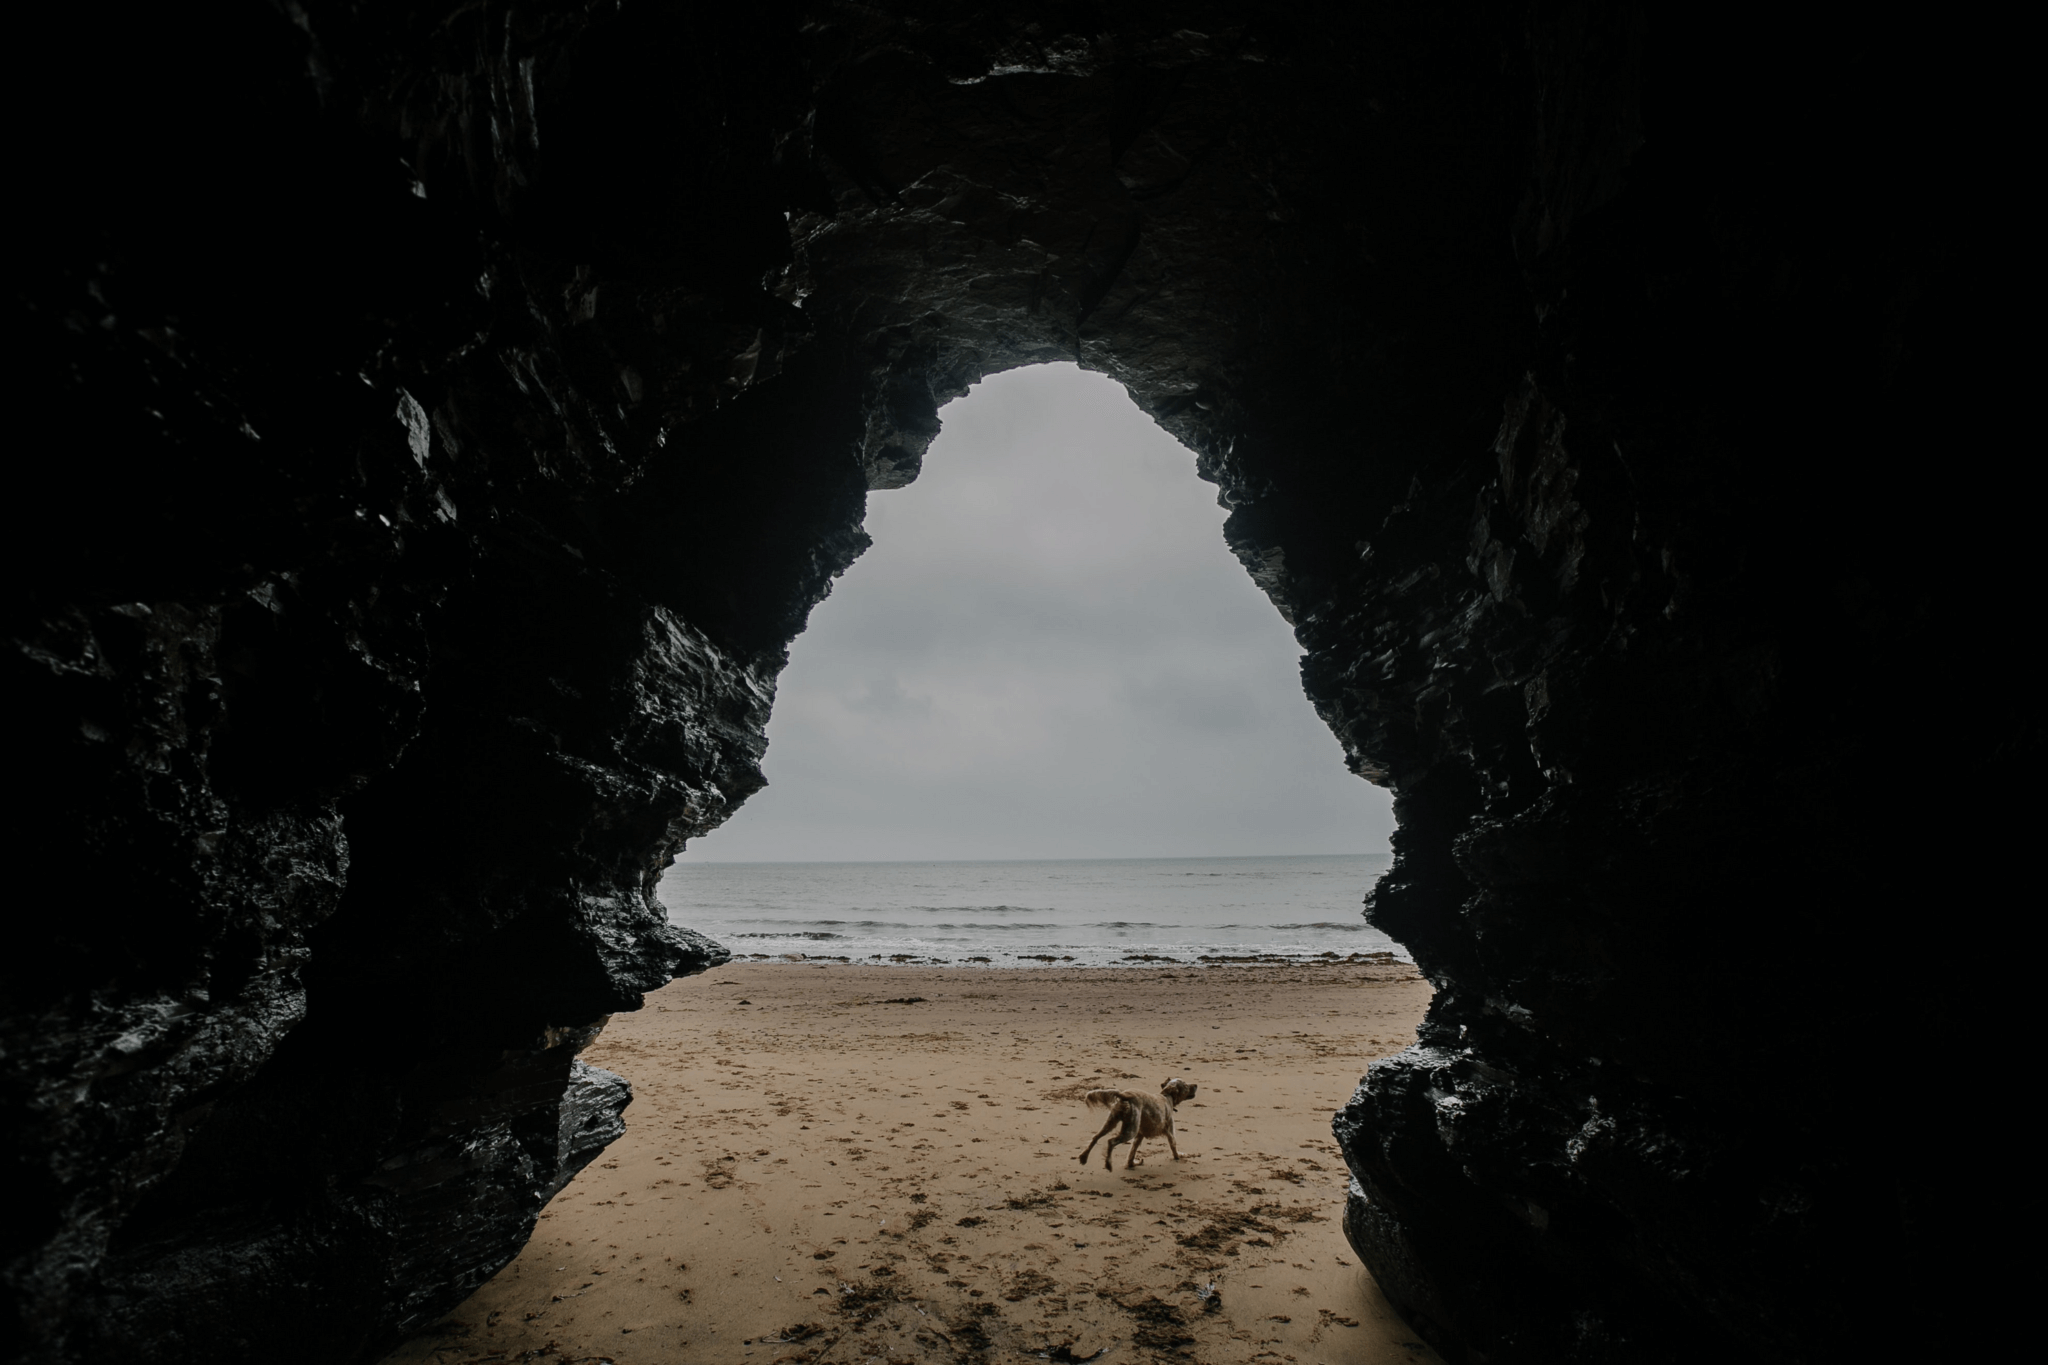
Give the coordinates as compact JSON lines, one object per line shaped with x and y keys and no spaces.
{"x":1142,"y":1116}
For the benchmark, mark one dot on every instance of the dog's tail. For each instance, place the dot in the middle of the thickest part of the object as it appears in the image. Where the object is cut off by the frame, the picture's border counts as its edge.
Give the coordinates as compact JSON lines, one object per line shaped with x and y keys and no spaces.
{"x":1104,"y":1099}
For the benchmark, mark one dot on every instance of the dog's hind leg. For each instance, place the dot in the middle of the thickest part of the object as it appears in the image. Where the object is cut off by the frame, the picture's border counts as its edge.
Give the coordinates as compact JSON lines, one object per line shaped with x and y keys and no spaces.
{"x":1114,"y":1119}
{"x":1109,"y":1153}
{"x":1132,"y":1159}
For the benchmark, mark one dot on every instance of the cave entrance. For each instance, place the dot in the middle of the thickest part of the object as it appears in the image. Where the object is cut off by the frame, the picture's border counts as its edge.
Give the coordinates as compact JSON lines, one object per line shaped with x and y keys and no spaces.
{"x":1018,"y":733}
{"x":1048,"y":653}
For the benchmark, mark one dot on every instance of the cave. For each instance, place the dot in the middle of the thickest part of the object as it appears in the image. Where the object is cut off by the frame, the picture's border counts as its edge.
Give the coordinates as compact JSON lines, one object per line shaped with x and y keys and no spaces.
{"x":443,"y":418}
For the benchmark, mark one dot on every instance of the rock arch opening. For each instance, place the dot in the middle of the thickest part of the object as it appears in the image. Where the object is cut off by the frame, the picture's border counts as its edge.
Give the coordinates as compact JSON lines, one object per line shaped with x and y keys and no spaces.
{"x":1047,"y":652}
{"x":461,"y":412}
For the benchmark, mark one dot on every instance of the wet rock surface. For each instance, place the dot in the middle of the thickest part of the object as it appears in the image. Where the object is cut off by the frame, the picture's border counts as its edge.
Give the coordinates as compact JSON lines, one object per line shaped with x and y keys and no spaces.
{"x":446,"y":417}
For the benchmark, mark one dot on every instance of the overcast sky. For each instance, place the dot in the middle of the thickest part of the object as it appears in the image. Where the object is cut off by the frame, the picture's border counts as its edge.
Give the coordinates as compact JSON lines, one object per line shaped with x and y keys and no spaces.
{"x":1048,"y":653}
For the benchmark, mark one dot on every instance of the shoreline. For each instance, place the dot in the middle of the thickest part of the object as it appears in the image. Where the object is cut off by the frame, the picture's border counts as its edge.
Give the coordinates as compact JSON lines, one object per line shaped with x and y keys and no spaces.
{"x":1041,"y":961}
{"x":879,"y":1161}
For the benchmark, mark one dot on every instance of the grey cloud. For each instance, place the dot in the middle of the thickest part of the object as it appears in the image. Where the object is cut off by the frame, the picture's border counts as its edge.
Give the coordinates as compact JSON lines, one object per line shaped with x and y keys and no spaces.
{"x":886,"y":697}
{"x":1197,"y":702}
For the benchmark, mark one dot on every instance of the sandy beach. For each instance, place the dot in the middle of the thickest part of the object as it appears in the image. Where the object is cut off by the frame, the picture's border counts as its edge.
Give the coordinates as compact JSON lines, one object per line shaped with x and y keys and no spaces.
{"x":877,"y":1166}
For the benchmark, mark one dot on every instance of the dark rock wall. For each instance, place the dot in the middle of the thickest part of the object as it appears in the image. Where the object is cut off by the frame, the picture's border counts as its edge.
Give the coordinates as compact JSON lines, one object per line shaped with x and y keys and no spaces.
{"x":399,"y":587}
{"x":1657,"y":846}
{"x":446,"y":415}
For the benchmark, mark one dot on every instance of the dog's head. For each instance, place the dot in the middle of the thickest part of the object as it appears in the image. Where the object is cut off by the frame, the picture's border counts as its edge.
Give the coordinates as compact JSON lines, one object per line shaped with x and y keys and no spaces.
{"x":1177,"y":1090}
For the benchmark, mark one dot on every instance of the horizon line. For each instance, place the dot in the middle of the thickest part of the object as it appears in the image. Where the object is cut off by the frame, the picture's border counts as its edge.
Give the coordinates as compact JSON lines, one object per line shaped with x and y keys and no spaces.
{"x":1122,"y":858}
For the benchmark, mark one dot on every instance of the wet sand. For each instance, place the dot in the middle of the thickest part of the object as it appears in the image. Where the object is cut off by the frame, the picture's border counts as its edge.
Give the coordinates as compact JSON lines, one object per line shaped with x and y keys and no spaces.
{"x":877,"y":1166}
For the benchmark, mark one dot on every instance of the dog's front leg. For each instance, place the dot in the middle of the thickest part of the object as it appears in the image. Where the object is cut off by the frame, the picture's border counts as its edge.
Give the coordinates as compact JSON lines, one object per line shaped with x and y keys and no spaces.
{"x":1132,"y":1159}
{"x":1171,"y":1145}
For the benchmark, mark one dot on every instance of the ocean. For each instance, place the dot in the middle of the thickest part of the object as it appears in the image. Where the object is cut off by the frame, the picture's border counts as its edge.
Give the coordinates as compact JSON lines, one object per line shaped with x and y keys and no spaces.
{"x":1082,"y":913}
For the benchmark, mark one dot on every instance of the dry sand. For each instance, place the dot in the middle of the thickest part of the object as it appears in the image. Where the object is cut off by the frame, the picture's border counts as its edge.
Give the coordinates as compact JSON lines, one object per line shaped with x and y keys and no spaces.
{"x":813,"y":1169}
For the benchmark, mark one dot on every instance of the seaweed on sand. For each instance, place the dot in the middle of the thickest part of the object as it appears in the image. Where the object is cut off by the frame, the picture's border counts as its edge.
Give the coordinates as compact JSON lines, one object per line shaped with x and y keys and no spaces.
{"x":1225,"y":1229}
{"x":863,"y":1300}
{"x":1027,"y":1283}
{"x":1161,"y":1326}
{"x":968,"y":1331}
